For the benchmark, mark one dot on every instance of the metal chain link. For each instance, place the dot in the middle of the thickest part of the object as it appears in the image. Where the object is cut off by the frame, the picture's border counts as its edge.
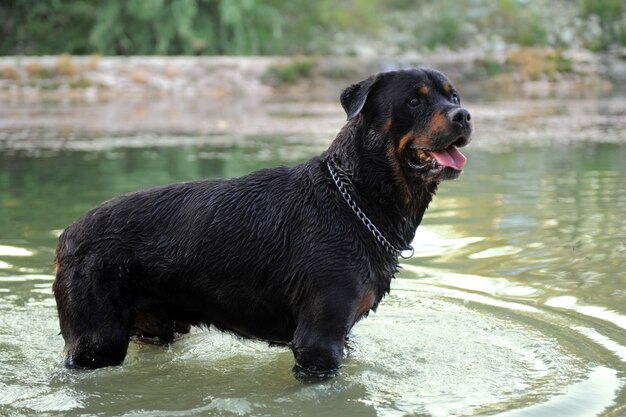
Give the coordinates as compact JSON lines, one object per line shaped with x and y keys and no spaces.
{"x":359,"y":213}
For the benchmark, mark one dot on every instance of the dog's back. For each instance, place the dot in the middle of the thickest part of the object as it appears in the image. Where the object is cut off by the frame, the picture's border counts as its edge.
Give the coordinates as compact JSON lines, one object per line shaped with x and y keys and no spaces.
{"x":211,"y":252}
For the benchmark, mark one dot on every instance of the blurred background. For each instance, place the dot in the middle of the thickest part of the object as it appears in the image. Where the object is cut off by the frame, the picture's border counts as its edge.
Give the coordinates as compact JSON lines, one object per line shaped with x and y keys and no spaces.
{"x":279,"y":27}
{"x":514,"y":302}
{"x":201,"y":66}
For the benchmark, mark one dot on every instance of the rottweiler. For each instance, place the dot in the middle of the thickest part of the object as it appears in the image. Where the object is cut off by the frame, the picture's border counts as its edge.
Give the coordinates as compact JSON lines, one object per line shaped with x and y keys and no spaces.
{"x":290,"y":255}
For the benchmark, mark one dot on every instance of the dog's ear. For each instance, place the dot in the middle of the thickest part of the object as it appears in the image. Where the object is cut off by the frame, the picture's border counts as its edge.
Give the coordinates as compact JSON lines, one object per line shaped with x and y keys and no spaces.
{"x":354,"y":97}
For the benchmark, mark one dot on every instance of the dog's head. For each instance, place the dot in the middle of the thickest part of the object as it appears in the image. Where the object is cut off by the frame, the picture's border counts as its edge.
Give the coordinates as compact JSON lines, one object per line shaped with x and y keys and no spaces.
{"x":414,"y":117}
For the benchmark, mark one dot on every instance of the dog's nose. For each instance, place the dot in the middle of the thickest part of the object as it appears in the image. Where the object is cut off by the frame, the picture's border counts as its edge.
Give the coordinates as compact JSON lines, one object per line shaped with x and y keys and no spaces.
{"x":460,"y":116}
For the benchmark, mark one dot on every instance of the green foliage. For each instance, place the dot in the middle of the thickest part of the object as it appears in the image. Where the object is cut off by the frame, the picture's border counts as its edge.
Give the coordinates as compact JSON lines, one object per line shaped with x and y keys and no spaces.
{"x":291,"y":73}
{"x":79,"y":83}
{"x":491,"y":67}
{"x":563,"y":63}
{"x":606,"y":10}
{"x":245,"y":27}
{"x":362,"y":15}
{"x":611,"y":19}
{"x":45,"y":26}
{"x":445,"y":30}
{"x":518,"y":22}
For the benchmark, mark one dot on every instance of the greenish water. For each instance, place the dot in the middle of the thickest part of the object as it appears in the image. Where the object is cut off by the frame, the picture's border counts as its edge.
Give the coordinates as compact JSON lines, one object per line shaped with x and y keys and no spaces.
{"x":514,"y":303}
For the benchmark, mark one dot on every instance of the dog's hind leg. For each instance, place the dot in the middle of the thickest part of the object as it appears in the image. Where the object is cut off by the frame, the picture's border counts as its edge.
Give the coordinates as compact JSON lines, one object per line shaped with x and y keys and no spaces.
{"x":94,"y":303}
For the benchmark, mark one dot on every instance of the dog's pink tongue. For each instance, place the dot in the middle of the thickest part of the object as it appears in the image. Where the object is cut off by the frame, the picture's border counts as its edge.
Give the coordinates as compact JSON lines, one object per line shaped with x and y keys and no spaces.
{"x":450,"y":157}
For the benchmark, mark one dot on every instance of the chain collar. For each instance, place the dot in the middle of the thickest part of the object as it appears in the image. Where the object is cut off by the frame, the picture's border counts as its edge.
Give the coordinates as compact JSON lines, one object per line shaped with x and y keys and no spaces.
{"x":341,"y":186}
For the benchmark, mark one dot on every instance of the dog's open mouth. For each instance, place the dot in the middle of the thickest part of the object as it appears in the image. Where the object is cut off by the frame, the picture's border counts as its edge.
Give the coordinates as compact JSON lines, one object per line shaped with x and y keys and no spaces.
{"x":427,"y":158}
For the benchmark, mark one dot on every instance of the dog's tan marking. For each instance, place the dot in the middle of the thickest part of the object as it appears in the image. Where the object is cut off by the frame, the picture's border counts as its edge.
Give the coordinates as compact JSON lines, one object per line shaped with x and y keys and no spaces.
{"x":393,"y":155}
{"x":412,"y":139}
{"x":57,"y":254}
{"x":404,"y":141}
{"x":438,"y":123}
{"x":366,"y":302}
{"x":388,"y":124}
{"x":447,"y":88}
{"x":424,"y":90}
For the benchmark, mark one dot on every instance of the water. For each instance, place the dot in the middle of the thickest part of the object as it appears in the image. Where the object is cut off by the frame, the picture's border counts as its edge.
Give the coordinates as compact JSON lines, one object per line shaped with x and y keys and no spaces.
{"x":514,"y":303}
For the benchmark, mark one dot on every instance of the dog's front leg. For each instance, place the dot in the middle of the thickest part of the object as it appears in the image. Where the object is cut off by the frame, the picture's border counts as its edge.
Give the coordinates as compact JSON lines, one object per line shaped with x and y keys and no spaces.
{"x":319,"y":339}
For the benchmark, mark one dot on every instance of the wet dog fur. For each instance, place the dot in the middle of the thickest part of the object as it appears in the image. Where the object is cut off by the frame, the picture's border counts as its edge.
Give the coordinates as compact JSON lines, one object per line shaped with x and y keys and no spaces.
{"x":276,"y":255}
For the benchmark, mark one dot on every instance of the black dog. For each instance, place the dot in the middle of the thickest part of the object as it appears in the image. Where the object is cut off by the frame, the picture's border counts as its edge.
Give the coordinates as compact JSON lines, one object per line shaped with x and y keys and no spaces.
{"x":294,"y":256}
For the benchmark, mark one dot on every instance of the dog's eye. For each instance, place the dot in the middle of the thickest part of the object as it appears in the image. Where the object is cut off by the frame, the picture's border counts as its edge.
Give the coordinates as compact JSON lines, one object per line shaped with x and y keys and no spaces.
{"x":414,"y":102}
{"x":456,"y":99}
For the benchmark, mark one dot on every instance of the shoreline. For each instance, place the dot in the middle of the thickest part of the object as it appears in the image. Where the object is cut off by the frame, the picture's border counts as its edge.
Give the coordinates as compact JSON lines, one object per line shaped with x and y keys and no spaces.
{"x":166,"y":101}
{"x":151,"y":123}
{"x":528,"y":72}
